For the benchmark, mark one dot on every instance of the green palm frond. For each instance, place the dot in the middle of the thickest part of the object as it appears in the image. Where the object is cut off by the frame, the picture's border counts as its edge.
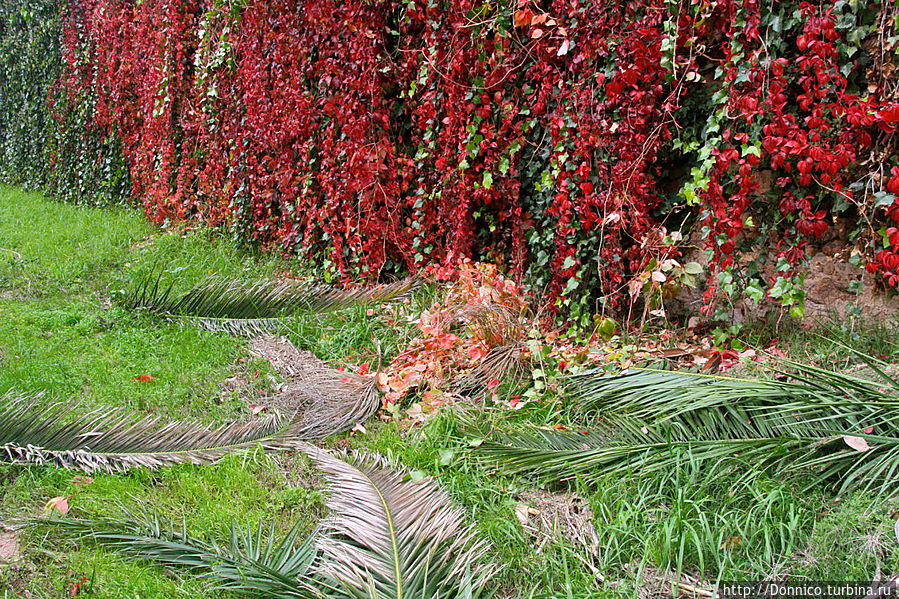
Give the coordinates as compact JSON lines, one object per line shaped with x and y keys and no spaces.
{"x":808,"y":399}
{"x":241,"y":307}
{"x":807,"y":396}
{"x":390,"y":537}
{"x":563,"y":455}
{"x":251,"y":562}
{"x":648,"y":421}
{"x":34,"y":430}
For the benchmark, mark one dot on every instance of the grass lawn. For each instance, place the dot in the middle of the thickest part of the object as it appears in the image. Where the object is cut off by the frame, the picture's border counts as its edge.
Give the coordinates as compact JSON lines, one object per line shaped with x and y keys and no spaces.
{"x":61,"y":333}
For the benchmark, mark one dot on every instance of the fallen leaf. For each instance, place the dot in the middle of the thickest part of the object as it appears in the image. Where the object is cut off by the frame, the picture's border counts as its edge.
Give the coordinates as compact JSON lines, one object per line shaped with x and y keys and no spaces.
{"x":143,"y":378}
{"x":563,"y":49}
{"x":81,"y":480}
{"x":672,"y":353}
{"x":856,"y":443}
{"x":521,"y":512}
{"x":57,"y":503}
{"x":446,"y":456}
{"x":731,"y":543}
{"x":256,"y":409}
{"x":358,"y":428}
{"x":382,"y":379}
{"x":417,"y":476}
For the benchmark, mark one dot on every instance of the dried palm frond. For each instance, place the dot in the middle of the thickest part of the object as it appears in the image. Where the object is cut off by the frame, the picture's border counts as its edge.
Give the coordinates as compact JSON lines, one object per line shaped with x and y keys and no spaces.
{"x":392,"y":538}
{"x":826,"y":427}
{"x":327,"y":401}
{"x":505,"y":362}
{"x":255,"y":563}
{"x":34,"y":430}
{"x":241,"y":307}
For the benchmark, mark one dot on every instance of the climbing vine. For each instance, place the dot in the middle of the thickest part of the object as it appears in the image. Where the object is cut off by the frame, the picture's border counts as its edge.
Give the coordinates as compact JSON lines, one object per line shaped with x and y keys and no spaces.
{"x":576,"y":144}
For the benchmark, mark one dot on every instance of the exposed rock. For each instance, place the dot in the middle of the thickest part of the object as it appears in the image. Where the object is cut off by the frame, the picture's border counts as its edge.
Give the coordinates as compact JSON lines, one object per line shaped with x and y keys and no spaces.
{"x":829,"y":281}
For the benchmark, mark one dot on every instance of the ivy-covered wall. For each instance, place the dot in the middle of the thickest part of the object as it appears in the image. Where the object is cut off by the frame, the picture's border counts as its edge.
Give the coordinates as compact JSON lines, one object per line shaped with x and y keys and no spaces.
{"x":30,"y":63}
{"x":577,"y":143}
{"x":48,"y":135}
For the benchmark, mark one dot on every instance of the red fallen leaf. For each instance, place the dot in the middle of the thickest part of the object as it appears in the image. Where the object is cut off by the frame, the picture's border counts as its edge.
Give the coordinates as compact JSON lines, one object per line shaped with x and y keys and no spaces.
{"x":476,"y":352}
{"x":383,"y":379}
{"x":81,"y":480}
{"x":256,"y":409}
{"x":370,"y":312}
{"x":143,"y":378}
{"x":492,"y":383}
{"x":255,"y":373}
{"x":731,"y":543}
{"x":869,"y":430}
{"x":76,"y":590}
{"x":856,"y":443}
{"x":57,"y":503}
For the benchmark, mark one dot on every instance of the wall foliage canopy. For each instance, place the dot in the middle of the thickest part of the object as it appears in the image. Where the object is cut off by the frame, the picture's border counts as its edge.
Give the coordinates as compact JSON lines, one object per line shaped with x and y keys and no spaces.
{"x":573,"y":142}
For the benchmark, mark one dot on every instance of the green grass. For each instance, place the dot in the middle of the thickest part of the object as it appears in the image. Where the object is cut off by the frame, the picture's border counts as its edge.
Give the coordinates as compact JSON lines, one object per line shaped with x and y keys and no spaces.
{"x":61,"y":332}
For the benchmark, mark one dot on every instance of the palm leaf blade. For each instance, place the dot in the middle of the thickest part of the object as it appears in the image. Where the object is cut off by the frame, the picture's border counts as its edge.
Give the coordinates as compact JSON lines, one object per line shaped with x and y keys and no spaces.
{"x":650,"y":420}
{"x":256,"y":563}
{"x":395,"y":537}
{"x":34,"y":431}
{"x":242,"y":307}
